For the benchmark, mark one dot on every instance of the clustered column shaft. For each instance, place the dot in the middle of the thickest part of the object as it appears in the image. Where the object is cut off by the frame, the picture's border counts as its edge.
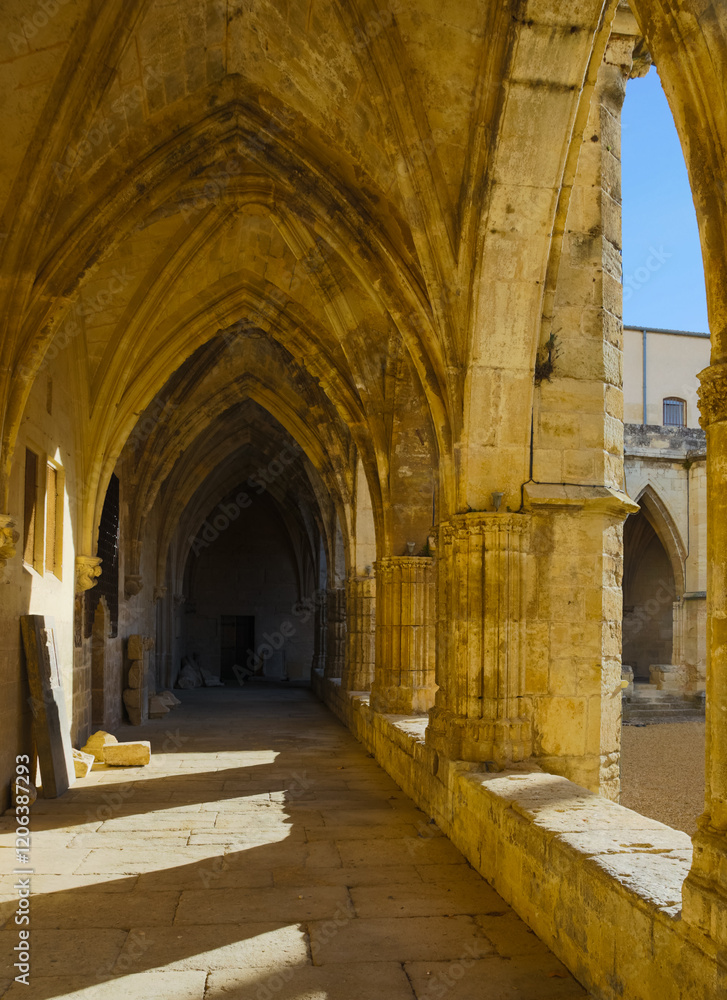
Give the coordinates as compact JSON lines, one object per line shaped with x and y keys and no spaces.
{"x":335,"y":632}
{"x":358,"y":672}
{"x":479,"y":713}
{"x":405,"y":631}
{"x":705,"y":890}
{"x":319,"y":630}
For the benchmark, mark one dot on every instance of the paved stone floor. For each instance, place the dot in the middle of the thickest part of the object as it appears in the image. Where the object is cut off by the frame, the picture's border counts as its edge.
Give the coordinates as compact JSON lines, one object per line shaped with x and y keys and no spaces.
{"x":263,"y":854}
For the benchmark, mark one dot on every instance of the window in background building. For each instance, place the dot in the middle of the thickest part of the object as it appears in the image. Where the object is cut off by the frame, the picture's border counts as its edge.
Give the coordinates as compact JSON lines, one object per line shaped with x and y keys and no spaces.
{"x":675,"y":412}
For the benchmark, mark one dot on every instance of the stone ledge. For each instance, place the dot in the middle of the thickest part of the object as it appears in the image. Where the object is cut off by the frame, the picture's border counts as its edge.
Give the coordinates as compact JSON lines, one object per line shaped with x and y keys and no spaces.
{"x":600,"y":884}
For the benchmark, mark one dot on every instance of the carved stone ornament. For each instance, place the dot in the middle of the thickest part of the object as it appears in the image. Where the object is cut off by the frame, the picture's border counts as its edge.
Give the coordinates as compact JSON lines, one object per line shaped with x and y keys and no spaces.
{"x":713,"y":395}
{"x":8,"y":538}
{"x":133,"y":584}
{"x":88,"y":570}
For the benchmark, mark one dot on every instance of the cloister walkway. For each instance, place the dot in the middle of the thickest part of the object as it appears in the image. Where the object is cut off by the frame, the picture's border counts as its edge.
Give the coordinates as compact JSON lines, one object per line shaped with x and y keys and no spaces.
{"x":263,"y":854}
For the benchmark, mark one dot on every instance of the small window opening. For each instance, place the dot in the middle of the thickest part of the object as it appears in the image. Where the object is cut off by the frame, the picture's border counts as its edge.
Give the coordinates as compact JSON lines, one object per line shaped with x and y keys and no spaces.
{"x":53,"y":520}
{"x":30,"y":506}
{"x":675,"y":412}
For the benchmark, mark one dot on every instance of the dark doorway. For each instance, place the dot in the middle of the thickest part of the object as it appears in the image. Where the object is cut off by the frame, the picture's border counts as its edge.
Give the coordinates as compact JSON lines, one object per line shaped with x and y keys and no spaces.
{"x":237,"y":638}
{"x":649,"y":593}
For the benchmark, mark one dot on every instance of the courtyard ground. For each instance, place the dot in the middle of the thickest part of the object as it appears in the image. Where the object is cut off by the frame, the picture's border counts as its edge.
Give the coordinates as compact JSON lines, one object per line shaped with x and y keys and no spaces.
{"x":662,"y":772}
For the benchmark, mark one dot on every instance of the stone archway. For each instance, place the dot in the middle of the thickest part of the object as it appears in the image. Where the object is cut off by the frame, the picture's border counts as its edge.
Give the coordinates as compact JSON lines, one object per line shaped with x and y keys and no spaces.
{"x":649,"y":590}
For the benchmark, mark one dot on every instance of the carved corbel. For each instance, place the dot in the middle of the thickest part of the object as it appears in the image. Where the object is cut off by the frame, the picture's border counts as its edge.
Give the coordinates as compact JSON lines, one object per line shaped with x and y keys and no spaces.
{"x":88,"y":570}
{"x":8,"y":538}
{"x":133,"y":584}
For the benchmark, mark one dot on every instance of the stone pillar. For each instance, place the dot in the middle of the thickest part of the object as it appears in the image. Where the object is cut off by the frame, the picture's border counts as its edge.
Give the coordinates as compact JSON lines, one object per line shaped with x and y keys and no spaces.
{"x":335,"y":632}
{"x":405,"y":631}
{"x":319,"y":631}
{"x":358,"y":671}
{"x":480,"y":712}
{"x":677,"y":631}
{"x":705,"y":889}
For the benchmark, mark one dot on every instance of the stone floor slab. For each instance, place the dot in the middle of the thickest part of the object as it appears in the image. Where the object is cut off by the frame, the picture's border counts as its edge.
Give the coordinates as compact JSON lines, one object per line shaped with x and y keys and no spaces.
{"x":423,"y":899}
{"x":80,"y":909}
{"x":294,"y":904}
{"x":144,"y":986}
{"x":356,"y":981}
{"x":404,"y":851}
{"x":403,"y":939}
{"x":214,"y":946}
{"x":491,"y":978}
{"x":57,"y":952}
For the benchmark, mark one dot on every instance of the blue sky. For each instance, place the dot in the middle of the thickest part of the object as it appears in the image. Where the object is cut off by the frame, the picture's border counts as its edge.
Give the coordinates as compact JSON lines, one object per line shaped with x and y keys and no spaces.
{"x":662,"y":261}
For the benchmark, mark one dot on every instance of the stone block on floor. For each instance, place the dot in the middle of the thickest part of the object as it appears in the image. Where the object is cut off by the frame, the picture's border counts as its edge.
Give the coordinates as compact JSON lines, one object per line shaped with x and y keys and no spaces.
{"x":96,"y":742}
{"x":128,"y":754}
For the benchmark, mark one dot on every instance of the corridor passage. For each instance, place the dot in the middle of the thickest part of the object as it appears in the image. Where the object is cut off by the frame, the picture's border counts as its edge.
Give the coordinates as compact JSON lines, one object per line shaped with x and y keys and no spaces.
{"x":263,"y":854}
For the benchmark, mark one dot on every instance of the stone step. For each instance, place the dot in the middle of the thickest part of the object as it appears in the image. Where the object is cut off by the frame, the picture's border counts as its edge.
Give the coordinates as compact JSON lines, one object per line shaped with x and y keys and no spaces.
{"x":661,"y":720}
{"x":688,"y":703}
{"x":652,"y":718}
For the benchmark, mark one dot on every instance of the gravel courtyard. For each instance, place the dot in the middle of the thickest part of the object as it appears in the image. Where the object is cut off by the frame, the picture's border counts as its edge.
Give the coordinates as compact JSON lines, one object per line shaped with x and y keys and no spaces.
{"x":662,"y":772}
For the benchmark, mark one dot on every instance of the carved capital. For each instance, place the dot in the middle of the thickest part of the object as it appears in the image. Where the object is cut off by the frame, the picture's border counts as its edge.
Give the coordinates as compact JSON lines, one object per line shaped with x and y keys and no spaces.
{"x":160,"y":593}
{"x":88,"y":570}
{"x":713,"y":395}
{"x":412,"y":569}
{"x":133,"y":584}
{"x":8,"y":538}
{"x":495,"y":528}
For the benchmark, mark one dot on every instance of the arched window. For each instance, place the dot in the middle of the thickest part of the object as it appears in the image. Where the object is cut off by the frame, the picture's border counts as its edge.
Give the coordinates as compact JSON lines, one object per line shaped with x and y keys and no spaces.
{"x":675,"y":412}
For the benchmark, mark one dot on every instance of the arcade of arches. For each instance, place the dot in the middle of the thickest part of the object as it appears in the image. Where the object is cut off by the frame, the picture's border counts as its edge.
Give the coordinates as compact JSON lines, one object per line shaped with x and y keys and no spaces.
{"x":311,"y":355}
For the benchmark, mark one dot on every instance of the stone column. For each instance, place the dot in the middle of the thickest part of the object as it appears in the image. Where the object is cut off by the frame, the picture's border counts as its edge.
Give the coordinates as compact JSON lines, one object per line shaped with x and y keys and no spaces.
{"x":678,"y":657}
{"x":319,"y":631}
{"x":705,"y":889}
{"x":335,"y":632}
{"x":405,"y":631}
{"x":480,"y":712}
{"x":358,"y":671}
